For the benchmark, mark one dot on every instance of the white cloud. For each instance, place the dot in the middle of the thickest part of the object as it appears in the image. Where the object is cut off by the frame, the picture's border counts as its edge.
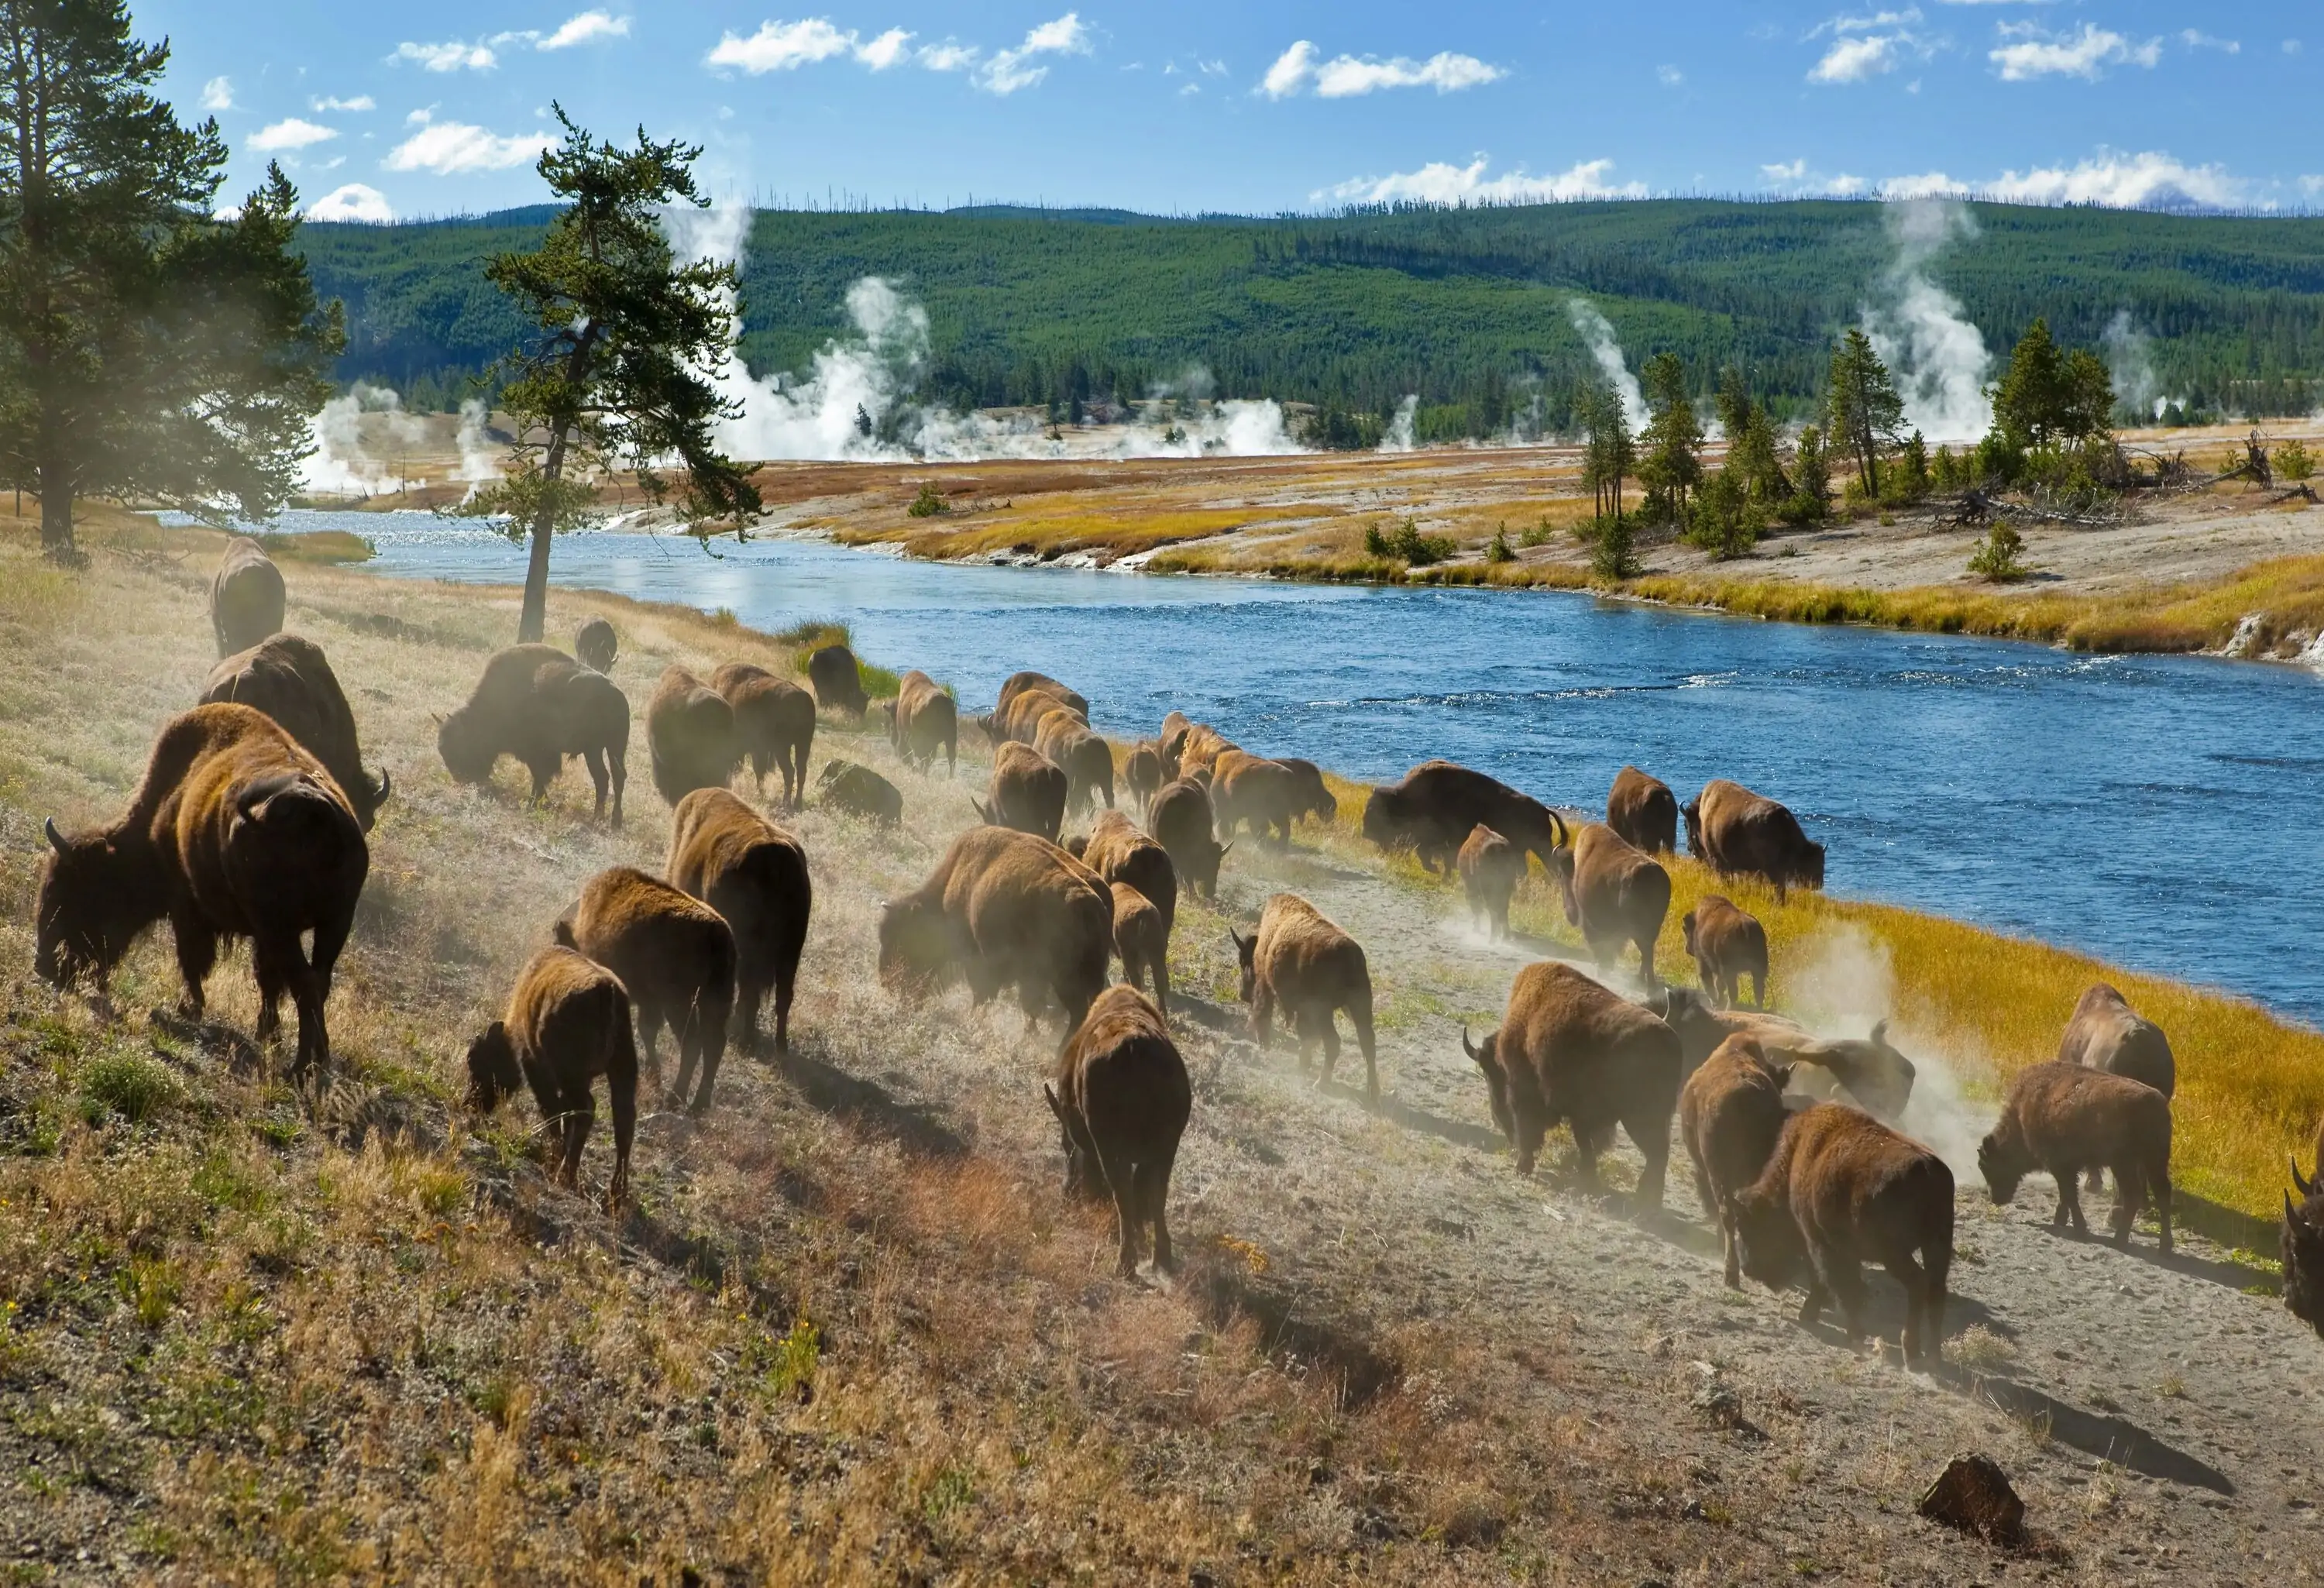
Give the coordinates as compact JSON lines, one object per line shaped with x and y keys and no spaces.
{"x":781,"y":46}
{"x":1291,"y":69}
{"x":218,"y":94}
{"x":885,"y":51}
{"x":2196,"y":39}
{"x":453,"y":56}
{"x":1796,"y":171}
{"x":290,"y":133}
{"x":585,"y":28}
{"x":1670,"y":77}
{"x":1344,"y":77}
{"x":2126,"y":181}
{"x":1008,"y":70}
{"x":1844,"y":186}
{"x":360,"y":102}
{"x":353,"y":202}
{"x":446,"y":147}
{"x":1854,"y":59}
{"x":2311,"y":185}
{"x":2291,"y":46}
{"x":1442,"y":182}
{"x":1932,"y":184}
{"x":1212,"y":69}
{"x":1794,"y":176}
{"x":2034,"y":54}
{"x":947,"y":56}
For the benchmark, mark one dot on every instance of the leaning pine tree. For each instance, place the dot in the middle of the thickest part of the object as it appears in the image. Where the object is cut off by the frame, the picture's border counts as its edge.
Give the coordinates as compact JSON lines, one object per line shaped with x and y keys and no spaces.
{"x":619,"y":373}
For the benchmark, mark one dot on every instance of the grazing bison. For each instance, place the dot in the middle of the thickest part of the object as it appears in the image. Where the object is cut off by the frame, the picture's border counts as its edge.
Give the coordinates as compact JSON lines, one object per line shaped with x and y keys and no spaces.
{"x":596,"y":644}
{"x":538,"y":705}
{"x":1739,"y":834}
{"x":1141,"y":774}
{"x":690,"y":735}
{"x":851,"y":786}
{"x":774,"y":724}
{"x":1433,"y":809}
{"x":1180,"y":820}
{"x":1617,"y":895}
{"x":1491,"y":867}
{"x":2302,"y":1243}
{"x":291,"y":680}
{"x":755,"y":874}
{"x":2106,"y":1034}
{"x":246,"y":597}
{"x":2062,"y":1119}
{"x":1028,"y":792}
{"x":1644,"y":810}
{"x":235,"y":832}
{"x":1017,"y":684}
{"x":838,"y":680}
{"x":1121,"y":1098}
{"x":1118,"y":851}
{"x":568,"y":1023}
{"x":1727,"y":944}
{"x":1301,"y":962}
{"x":926,"y":722}
{"x":1142,"y":938}
{"x":1310,"y":796}
{"x":1569,"y":1050}
{"x":674,"y":955}
{"x":1250,"y":792}
{"x":1841,"y":1190}
{"x":1730,"y":1112}
{"x":1087,"y":760}
{"x":1004,"y":908}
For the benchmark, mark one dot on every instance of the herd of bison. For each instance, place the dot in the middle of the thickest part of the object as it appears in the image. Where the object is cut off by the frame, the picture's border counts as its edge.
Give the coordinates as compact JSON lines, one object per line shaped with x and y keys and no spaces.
{"x":250,"y":823}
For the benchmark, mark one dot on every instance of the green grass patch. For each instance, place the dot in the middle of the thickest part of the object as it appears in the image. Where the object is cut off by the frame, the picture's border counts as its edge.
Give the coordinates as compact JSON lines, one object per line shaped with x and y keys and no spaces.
{"x":124,"y":1085}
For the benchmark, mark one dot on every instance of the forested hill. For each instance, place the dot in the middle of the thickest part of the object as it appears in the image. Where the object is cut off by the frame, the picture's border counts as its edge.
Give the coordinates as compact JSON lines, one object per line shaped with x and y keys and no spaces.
{"x":1467,"y":309}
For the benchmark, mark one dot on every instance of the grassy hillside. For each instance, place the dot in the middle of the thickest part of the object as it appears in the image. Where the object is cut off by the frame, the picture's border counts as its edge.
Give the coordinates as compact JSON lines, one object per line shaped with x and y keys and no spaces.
{"x":1465,"y":309}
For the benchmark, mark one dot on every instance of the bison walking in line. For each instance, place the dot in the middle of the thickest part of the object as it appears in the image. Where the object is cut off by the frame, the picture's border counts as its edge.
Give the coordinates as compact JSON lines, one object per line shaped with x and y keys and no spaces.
{"x":1141,"y":937}
{"x":1180,"y":820}
{"x":1004,"y":908}
{"x":568,"y":1023}
{"x":774,"y":724}
{"x":596,"y":644}
{"x":1017,"y":684}
{"x":1087,"y":760}
{"x":926,"y":722}
{"x":289,"y":679}
{"x":1730,"y":1113}
{"x":1118,"y":851}
{"x":838,"y":680}
{"x":754,"y":874}
{"x":1432,"y":809}
{"x":1644,"y":810}
{"x":1122,"y":1099}
{"x":1615,"y":894}
{"x":690,"y":735}
{"x":1739,"y":834}
{"x":1304,"y":965}
{"x":1490,"y":868}
{"x":540,"y":705}
{"x":1727,"y":944}
{"x":1026,"y":792}
{"x":674,"y":955}
{"x":247,"y":600}
{"x":1141,"y":774}
{"x":1251,"y":792}
{"x":2062,"y":1119}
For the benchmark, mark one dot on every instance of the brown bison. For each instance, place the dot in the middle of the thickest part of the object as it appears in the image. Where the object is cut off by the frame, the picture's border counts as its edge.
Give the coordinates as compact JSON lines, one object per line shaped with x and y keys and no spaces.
{"x":1301,"y":962}
{"x":1309,"y":794}
{"x":235,"y":832}
{"x":2106,"y":1034}
{"x":774,"y":724}
{"x":1739,"y":834}
{"x":2062,"y":1119}
{"x":690,"y":735}
{"x":755,"y":874}
{"x":1730,"y":1112}
{"x":2302,"y":1243}
{"x":1568,"y":1050}
{"x":856,"y":789}
{"x":1200,"y":747}
{"x":246,"y":597}
{"x":291,"y":680}
{"x":568,"y":1023}
{"x":1122,"y":1099}
{"x":1644,"y":810}
{"x":1180,"y":820}
{"x":1020,"y":719}
{"x":596,"y":644}
{"x":1727,"y":944}
{"x":1028,"y":792}
{"x":674,"y":954}
{"x":1087,"y":760}
{"x":1141,"y":774}
{"x":1004,"y":908}
{"x":1142,"y":938}
{"x":1250,"y":792}
{"x":1617,"y":895}
{"x":1841,"y":1190}
{"x":540,"y":705}
{"x":838,"y":680}
{"x":926,"y":722}
{"x":1176,"y":727}
{"x":1491,"y":867}
{"x":1118,"y":851}
{"x":1016,"y":684}
{"x":1869,"y":1073}
{"x":1433,"y":809}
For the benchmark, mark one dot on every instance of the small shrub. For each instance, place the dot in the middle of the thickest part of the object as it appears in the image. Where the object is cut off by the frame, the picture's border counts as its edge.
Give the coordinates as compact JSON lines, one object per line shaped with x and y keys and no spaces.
{"x":2292,"y":461}
{"x":1407,"y":544}
{"x":1613,"y":547}
{"x":787,"y":1366}
{"x":127,"y":1085}
{"x":1996,"y":555}
{"x":150,"y":1286}
{"x":1539,"y":534}
{"x":929,"y":503}
{"x":1499,"y":550}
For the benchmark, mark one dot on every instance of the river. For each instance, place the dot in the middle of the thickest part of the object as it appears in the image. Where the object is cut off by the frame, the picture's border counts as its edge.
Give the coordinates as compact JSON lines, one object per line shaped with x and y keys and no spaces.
{"x":2146,"y":809}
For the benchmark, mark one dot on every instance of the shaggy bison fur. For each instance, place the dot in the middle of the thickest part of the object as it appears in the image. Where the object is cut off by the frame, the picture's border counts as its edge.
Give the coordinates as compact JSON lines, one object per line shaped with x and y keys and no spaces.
{"x":1730,"y":1112}
{"x":1432,"y":809}
{"x":596,"y":644}
{"x":676,"y":956}
{"x":774,"y":724}
{"x":1739,"y":834}
{"x":1026,"y":792}
{"x":1490,"y":868}
{"x":1727,"y":944}
{"x":1644,"y":810}
{"x":567,"y":1022}
{"x":754,"y":874}
{"x":1301,"y":962}
{"x":289,"y":679}
{"x":1004,"y":908}
{"x":1617,"y":894}
{"x":540,"y":705}
{"x":2062,"y":1119}
{"x":1122,"y":1099}
{"x":246,"y":597}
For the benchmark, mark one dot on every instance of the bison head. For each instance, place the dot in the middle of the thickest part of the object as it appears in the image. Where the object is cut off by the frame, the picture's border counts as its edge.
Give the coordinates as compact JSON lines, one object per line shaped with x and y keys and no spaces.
{"x":1692,"y":811}
{"x":1384,"y":818}
{"x":493,"y":1069}
{"x":94,"y":898}
{"x":2303,"y":1253}
{"x":1497,"y":1080}
{"x":2004,"y":1162}
{"x":1202,"y":865}
{"x":1247,"y":952}
{"x":916,"y":950}
{"x":1084,"y":1171}
{"x":1767,"y":1240}
{"x":466,"y":747}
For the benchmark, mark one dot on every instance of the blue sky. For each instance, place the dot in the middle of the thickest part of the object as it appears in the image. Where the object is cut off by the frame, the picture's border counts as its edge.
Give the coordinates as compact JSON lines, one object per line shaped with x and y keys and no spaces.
{"x":432,"y":108}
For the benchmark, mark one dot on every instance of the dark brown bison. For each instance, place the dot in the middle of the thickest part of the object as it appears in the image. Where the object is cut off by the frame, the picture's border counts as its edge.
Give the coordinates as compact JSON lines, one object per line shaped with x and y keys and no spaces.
{"x":1004,"y":908}
{"x":1841,"y":1190}
{"x":690,"y":735}
{"x":1118,"y":851}
{"x":1727,"y":944}
{"x":1615,"y":894}
{"x":755,"y":874}
{"x":246,"y":597}
{"x":1250,"y":792}
{"x":925,"y":721}
{"x":2106,"y":1034}
{"x":676,"y":956}
{"x":1141,"y":774}
{"x":1303,"y":963}
{"x":1644,"y":810}
{"x":1491,"y":867}
{"x":1028,"y":792}
{"x":1122,"y":1099}
{"x":856,"y":789}
{"x":1730,"y":1112}
{"x":1016,"y":684}
{"x":568,"y":1023}
{"x":540,"y":705}
{"x":1309,"y":794}
{"x":1142,"y":938}
{"x":289,"y":679}
{"x":1568,"y":1050}
{"x":1739,"y":834}
{"x":235,"y":832}
{"x":596,"y":644}
{"x":1176,"y":727}
{"x":838,"y":680}
{"x":2302,"y":1243}
{"x":1431,"y":809}
{"x":774,"y":724}
{"x":1087,"y":760}
{"x":1180,"y":820}
{"x":2062,"y":1119}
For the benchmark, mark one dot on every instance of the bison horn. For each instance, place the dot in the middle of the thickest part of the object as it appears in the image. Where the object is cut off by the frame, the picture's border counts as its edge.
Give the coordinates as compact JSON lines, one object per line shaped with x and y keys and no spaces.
{"x":56,"y":839}
{"x":1056,"y":1107}
{"x":1558,"y":839}
{"x":1879,"y":1034}
{"x":2305,"y":1185}
{"x":381,"y":790}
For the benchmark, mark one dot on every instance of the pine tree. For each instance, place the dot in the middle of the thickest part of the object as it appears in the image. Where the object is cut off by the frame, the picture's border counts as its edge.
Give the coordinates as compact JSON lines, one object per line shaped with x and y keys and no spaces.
{"x":2048,"y":396}
{"x":1670,"y":465}
{"x":1864,"y":409}
{"x":1608,"y":450}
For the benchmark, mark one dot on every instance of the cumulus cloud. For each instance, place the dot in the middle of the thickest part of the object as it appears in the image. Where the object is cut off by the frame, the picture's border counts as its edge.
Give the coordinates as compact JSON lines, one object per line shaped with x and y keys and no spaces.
{"x":586,"y":27}
{"x":2030,"y":51}
{"x":1010,"y":69}
{"x":947,"y":56}
{"x":2147,"y":180}
{"x":1291,"y":70}
{"x":1791,"y":172}
{"x":1345,"y":77}
{"x":1793,"y":176}
{"x":885,"y":51}
{"x":780,"y":46}
{"x":786,"y":46}
{"x":447,"y":147}
{"x":290,"y":133}
{"x":1868,"y":46}
{"x":1443,"y":182}
{"x":218,"y":94}
{"x":451,"y":56}
{"x":2194,"y":38}
{"x":1928,"y":184}
{"x":353,"y":202}
{"x":360,"y":102}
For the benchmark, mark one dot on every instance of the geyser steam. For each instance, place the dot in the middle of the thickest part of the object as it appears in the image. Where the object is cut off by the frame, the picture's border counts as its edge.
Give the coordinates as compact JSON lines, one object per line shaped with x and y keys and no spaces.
{"x":1598,"y":335}
{"x":1938,"y":357}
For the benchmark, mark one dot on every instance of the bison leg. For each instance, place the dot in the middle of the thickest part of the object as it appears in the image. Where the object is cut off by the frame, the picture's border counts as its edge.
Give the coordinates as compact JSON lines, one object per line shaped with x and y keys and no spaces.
{"x":198,"y":952}
{"x":2070,"y":1199}
{"x":1122,"y":1179}
{"x":1159,"y":969}
{"x":2129,"y":1197}
{"x":1262,"y":1016}
{"x":1326,"y":1027}
{"x":1917,"y":1310}
{"x":1654,"y":1145}
{"x":705,"y":1035}
{"x":580,"y":1114}
{"x":617,"y":763}
{"x":622,"y":1089}
{"x":1153,"y":1193}
{"x":1359,"y":1016}
{"x":2158,"y":1182}
{"x":1811,"y":1305}
{"x":748,"y":994}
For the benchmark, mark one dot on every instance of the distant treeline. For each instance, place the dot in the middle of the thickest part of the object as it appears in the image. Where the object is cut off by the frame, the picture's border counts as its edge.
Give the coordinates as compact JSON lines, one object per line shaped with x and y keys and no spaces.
{"x":1464,"y":309}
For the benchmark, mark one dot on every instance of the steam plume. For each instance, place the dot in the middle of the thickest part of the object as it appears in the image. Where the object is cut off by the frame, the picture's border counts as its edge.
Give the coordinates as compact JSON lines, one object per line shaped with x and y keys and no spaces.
{"x":2130,"y":360}
{"x":1398,"y":438}
{"x":1938,"y":357}
{"x":1598,"y":335}
{"x":340,"y":464}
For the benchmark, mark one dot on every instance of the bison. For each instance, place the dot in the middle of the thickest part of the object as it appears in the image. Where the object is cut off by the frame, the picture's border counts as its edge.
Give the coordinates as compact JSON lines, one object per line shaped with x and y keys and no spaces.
{"x":538,"y":705}
{"x":926,"y":722}
{"x":674,"y":955}
{"x":1644,"y":810}
{"x":1122,"y":1099}
{"x":690,"y":735}
{"x":1730,"y":1112}
{"x":1087,"y":760}
{"x":1118,"y":851}
{"x":1739,"y":834}
{"x":1432,"y":807}
{"x":1141,"y":774}
{"x":1020,"y":719}
{"x":755,"y":874}
{"x":235,"y":832}
{"x":2061,"y":1118}
{"x":1141,"y":937}
{"x":1617,"y":895}
{"x":246,"y":597}
{"x":1016,"y":684}
{"x":1843,"y":1189}
{"x":838,"y":680}
{"x":567,"y":1022}
{"x":1310,"y":796}
{"x":1304,"y":963}
{"x":774,"y":724}
{"x":1180,"y":821}
{"x":1200,"y":747}
{"x":289,"y":679}
{"x":1491,"y":867}
{"x":2106,"y":1034}
{"x":1869,"y":1073}
{"x":1028,"y":792}
{"x":1004,"y":908}
{"x":856,"y":789}
{"x":1250,"y":792}
{"x":596,"y":644}
{"x":2302,"y":1243}
{"x":1727,"y":944}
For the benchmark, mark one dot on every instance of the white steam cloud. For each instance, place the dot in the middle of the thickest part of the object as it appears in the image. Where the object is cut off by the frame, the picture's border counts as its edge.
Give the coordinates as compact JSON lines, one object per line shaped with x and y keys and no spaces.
{"x":1399,"y":435}
{"x":346,"y":432}
{"x":1938,"y":357}
{"x":1598,"y":335}
{"x":479,"y":461}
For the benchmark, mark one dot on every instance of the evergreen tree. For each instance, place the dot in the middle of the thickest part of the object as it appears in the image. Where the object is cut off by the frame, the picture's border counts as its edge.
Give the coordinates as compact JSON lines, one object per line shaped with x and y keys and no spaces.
{"x":1862,"y":406}
{"x":1608,"y":450}
{"x":1811,"y":477}
{"x":1670,"y":465}
{"x":2048,"y":396}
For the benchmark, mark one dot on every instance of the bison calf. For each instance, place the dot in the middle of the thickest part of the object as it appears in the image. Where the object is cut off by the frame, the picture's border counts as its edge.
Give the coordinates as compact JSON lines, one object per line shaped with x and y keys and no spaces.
{"x":674,"y":955}
{"x":1142,"y":938}
{"x":1310,"y":968}
{"x":1490,"y":868}
{"x":1122,"y":1099}
{"x":1141,"y":774}
{"x":755,"y":874}
{"x":1727,"y":944}
{"x":568,"y":1023}
{"x":2062,"y":1119}
{"x":1730,"y":1113}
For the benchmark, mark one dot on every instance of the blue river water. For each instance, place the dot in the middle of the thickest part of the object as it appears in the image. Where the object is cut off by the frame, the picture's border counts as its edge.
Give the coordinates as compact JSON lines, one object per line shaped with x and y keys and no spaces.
{"x":2153,"y":810}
